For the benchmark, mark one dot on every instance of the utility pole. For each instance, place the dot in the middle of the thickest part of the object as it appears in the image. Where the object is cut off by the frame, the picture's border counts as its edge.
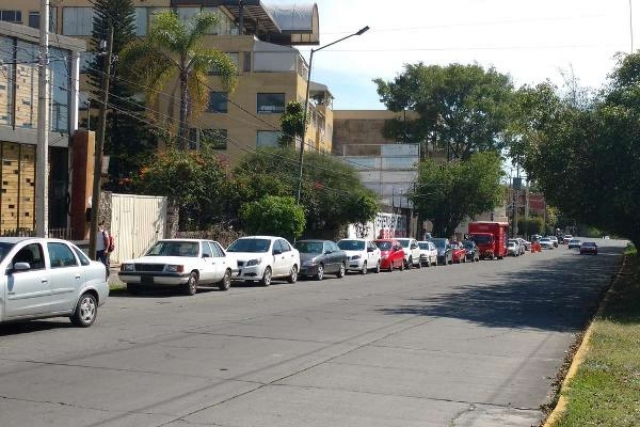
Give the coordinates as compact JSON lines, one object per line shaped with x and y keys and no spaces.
{"x":42,"y":152}
{"x":102,"y":125}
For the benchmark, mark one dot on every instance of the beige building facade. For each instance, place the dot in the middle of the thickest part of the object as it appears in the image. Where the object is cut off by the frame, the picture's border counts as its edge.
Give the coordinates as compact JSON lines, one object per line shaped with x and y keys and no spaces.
{"x":260,"y":39}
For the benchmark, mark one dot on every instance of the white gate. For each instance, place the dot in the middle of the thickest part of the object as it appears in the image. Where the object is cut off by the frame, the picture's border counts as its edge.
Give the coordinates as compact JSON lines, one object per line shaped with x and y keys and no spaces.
{"x":136,"y":223}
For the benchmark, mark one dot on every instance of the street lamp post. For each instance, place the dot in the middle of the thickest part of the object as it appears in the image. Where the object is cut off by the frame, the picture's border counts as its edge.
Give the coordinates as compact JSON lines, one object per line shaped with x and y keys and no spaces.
{"x":306,"y":105}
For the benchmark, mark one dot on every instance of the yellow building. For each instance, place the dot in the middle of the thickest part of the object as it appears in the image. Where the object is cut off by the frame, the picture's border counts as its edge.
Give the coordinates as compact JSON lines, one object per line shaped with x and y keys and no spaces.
{"x":260,"y":40}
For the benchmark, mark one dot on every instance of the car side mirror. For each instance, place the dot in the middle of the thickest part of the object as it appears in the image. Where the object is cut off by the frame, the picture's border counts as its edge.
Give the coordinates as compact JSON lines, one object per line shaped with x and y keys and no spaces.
{"x":370,"y":249}
{"x":277,"y":252}
{"x":206,"y":255}
{"x":328,"y":252}
{"x":21,"y":266}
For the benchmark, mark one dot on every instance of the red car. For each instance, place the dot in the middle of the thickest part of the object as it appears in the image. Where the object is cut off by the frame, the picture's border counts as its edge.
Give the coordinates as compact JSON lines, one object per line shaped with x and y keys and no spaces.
{"x":458,"y":253}
{"x":391,"y":254}
{"x":589,"y":248}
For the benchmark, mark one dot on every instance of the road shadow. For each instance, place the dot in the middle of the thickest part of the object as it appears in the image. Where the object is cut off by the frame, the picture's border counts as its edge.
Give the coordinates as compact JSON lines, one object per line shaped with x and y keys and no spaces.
{"x":558,"y":294}
{"x":30,"y":326}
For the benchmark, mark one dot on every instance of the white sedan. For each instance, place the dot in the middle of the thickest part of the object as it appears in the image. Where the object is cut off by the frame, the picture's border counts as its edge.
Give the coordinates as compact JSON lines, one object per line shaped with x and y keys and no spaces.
{"x":363,"y":255}
{"x":183,"y":263}
{"x":428,"y":253}
{"x":264,"y":258}
{"x":411,"y":252}
{"x":546,"y":243}
{"x":49,"y":278}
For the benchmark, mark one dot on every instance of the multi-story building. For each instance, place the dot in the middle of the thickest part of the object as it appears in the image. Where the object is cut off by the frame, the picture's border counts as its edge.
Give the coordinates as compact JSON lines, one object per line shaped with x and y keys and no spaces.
{"x":19,"y":55}
{"x":258,"y":38}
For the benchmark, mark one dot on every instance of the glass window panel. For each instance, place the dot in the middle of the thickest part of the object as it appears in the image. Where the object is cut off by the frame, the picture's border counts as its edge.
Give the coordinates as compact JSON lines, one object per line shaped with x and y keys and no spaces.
{"x":6,"y":81}
{"x":267,"y":138}
{"x":26,"y":108}
{"x":59,"y":72}
{"x":77,"y":21}
{"x":34,"y":19}
{"x":217,"y":102}
{"x":141,"y":21}
{"x":269,"y":103}
{"x":186,"y":13}
{"x":14,"y":16}
{"x":246,"y":62}
{"x":216,"y":138}
{"x":61,"y":256}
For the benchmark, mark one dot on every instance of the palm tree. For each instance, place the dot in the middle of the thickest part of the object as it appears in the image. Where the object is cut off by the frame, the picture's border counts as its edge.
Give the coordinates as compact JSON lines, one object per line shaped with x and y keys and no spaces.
{"x":174,"y":48}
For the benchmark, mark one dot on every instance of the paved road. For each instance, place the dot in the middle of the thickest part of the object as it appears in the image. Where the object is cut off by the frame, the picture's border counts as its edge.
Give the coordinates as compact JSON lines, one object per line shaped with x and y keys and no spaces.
{"x":466,"y":345}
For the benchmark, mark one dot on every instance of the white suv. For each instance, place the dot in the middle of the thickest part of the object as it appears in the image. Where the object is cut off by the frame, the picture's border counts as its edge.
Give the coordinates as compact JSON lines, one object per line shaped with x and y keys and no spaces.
{"x":263,"y":258}
{"x":411,"y":252}
{"x":362,"y":255}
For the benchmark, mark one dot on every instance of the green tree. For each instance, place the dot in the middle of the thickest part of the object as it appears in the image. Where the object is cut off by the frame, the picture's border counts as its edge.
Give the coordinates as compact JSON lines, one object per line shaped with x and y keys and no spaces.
{"x":194,"y":181}
{"x":447,"y":193}
{"x":464,"y":108}
{"x":531,"y":226}
{"x":274,"y":215}
{"x":128,"y":141}
{"x":292,"y":124}
{"x":174,"y":48}
{"x":332,"y":194}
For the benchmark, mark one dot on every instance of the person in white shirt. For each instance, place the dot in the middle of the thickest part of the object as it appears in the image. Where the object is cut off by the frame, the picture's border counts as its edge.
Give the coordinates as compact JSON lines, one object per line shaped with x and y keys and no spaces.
{"x":102,"y":244}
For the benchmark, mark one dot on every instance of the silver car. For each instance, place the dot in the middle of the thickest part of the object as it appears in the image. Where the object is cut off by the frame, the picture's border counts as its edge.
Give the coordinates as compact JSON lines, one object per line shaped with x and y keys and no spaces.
{"x":49,"y":278}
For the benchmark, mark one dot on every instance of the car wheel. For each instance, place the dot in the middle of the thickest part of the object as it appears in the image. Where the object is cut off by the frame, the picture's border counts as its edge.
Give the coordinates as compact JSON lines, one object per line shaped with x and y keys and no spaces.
{"x":378,"y":267}
{"x":266,"y":277}
{"x":419,"y":264}
{"x":86,"y":311}
{"x":402,"y":265}
{"x":225,"y":283}
{"x":320,"y":273}
{"x":133,"y":289}
{"x":341,"y":271}
{"x":293,"y":275}
{"x":191,"y":287}
{"x":364,"y":268}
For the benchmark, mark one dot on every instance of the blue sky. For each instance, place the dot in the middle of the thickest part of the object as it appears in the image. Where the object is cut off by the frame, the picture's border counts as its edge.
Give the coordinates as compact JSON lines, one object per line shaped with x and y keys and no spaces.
{"x":532,"y":41}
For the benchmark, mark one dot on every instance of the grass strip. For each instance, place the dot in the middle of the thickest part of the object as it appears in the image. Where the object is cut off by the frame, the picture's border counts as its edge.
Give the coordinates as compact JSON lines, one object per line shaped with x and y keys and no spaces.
{"x":605,"y":392}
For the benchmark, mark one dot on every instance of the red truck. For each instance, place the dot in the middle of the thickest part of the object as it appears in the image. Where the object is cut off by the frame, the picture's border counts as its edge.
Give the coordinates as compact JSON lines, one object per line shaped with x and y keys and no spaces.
{"x":490,"y":237}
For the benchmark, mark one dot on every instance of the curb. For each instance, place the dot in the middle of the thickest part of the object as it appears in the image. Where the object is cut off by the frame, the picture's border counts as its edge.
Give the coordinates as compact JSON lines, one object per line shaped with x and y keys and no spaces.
{"x":580,"y":354}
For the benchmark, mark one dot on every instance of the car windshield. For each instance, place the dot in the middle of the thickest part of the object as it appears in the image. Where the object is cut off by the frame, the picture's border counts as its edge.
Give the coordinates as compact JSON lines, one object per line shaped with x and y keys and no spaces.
{"x":250,"y":245}
{"x":481,"y":239}
{"x":175,"y":248}
{"x":309,"y":247}
{"x":589,"y":244}
{"x":512,"y":243}
{"x":545,"y":239}
{"x":440,"y":243}
{"x":5,"y":248}
{"x":351,"y":245}
{"x":384,"y":246}
{"x":575,"y":241}
{"x":423,"y":245}
{"x":404,"y":242}
{"x":468,"y":244}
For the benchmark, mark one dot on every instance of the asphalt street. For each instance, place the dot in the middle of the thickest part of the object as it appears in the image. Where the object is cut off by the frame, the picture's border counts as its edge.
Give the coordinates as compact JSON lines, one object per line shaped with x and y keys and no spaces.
{"x":464,"y":345}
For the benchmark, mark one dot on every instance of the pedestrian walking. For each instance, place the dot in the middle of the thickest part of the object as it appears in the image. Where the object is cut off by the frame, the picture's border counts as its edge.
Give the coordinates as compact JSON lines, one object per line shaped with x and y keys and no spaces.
{"x":102,"y":244}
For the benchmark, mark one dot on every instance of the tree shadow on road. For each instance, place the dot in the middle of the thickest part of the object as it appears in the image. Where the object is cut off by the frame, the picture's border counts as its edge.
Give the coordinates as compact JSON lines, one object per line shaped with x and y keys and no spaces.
{"x":559,"y":294}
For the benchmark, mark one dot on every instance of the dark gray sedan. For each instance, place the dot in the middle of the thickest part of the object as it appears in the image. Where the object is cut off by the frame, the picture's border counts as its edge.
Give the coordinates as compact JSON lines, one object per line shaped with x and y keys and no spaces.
{"x":319,"y":257}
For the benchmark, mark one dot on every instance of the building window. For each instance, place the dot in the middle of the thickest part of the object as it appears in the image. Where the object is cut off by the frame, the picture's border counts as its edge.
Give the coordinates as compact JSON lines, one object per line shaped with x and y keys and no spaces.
{"x":77,"y":21}
{"x":246,"y":62}
{"x":141,"y":21}
{"x":271,"y":103}
{"x":216,"y":138}
{"x":86,"y":59}
{"x":234,"y":57}
{"x":217,"y":102}
{"x":193,"y":138}
{"x":7,"y":81}
{"x":14,"y":16}
{"x":34,"y":19}
{"x":267,"y":138}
